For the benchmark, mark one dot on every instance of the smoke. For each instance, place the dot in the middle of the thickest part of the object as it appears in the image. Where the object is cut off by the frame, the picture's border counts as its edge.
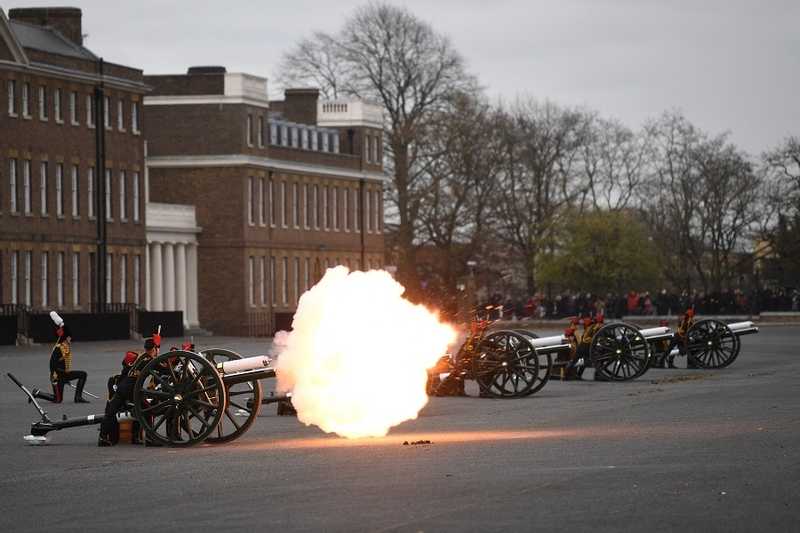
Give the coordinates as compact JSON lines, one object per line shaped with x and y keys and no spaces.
{"x":356,"y":359}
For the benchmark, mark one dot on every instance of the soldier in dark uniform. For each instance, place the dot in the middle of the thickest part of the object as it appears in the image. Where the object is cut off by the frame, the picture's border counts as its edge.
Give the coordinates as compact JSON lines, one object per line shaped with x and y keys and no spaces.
{"x":61,"y":371}
{"x":679,"y":340}
{"x":131,"y":365}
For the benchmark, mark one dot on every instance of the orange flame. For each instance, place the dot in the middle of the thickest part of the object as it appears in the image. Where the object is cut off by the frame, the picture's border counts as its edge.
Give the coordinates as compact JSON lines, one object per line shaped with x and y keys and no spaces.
{"x":356,"y":359}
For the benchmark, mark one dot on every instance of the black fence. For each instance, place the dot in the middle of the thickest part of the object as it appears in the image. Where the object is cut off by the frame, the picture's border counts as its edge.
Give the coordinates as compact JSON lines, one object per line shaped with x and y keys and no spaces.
{"x":171,"y":323}
{"x":83,"y":326}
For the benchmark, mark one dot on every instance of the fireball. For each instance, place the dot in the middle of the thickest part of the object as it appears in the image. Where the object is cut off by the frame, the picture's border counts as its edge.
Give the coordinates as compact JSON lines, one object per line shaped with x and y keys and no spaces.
{"x":356,"y":359}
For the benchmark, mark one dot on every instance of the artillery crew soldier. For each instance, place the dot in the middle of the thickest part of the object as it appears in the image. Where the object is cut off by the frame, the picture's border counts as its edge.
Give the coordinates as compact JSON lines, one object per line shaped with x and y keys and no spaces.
{"x":124,"y":385}
{"x":680,"y":339}
{"x":61,"y":371}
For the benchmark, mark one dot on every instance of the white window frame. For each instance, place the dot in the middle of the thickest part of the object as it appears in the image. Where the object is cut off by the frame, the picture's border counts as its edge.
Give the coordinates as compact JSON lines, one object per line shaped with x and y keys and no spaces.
{"x":76,"y":276}
{"x":120,"y":114}
{"x":368,"y":209}
{"x":260,"y":131}
{"x":44,"y":279}
{"x":367,"y":148}
{"x":12,"y":182}
{"x":250,"y":193}
{"x":251,"y":288}
{"x":262,"y":279}
{"x":43,"y":116}
{"x":14,"y":277}
{"x":325,"y":208}
{"x":123,"y":279}
{"x":262,"y":216}
{"x":376,"y":210}
{"x":73,"y":108}
{"x":109,"y":200}
{"x":284,"y":218}
{"x":28,"y":280}
{"x":296,"y":280}
{"x":273,"y":133}
{"x":137,"y":272}
{"x":307,"y":275}
{"x":59,"y":189}
{"x":335,"y":207}
{"x":26,"y":100}
{"x":315,"y":211}
{"x":285,"y":280}
{"x":335,"y":143}
{"x":345,"y":210}
{"x":295,"y":206}
{"x":90,"y":111}
{"x":26,"y":186}
{"x":249,"y":133}
{"x":272,"y":280}
{"x":123,"y":186}
{"x":109,"y":267}
{"x":271,"y":202}
{"x":307,"y":211}
{"x":107,"y":112}
{"x":76,"y":197}
{"x":135,"y":118}
{"x":43,"y":187}
{"x":57,"y":114}
{"x":90,"y":193}
{"x":12,"y":98}
{"x":60,"y":279}
{"x":376,"y":143}
{"x":136,"y":206}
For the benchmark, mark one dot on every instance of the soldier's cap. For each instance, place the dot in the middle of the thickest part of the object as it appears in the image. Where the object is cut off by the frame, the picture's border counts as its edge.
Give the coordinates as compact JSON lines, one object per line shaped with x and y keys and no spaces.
{"x":149,"y":343}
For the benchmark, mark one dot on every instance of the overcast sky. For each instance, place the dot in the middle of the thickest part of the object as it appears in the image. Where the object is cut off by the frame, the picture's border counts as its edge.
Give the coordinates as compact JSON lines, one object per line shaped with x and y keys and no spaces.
{"x":730,"y":65}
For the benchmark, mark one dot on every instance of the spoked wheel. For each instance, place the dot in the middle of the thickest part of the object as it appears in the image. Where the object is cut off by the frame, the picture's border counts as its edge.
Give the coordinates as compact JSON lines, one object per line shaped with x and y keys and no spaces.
{"x":619,"y":352}
{"x":179,"y":399}
{"x":243,"y":401}
{"x":712,"y":344}
{"x":545,"y":362}
{"x":506,"y":365}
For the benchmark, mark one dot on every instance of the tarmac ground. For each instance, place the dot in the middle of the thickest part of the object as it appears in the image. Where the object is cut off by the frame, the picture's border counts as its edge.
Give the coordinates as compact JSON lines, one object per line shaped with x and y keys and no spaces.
{"x":715,"y":450}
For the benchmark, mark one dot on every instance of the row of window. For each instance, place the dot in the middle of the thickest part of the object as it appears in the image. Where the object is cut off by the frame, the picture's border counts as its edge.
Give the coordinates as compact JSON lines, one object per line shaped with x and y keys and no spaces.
{"x":270,"y":273}
{"x":115,"y":112}
{"x":61,"y":271}
{"x":294,"y":136}
{"x":63,"y":182}
{"x":317,"y":206}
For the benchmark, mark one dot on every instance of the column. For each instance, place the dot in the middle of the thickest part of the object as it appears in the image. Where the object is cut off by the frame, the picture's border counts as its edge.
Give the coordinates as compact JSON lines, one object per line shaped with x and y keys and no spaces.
{"x":169,"y":277}
{"x":180,"y":280}
{"x":147,"y":292}
{"x":156,"y":282}
{"x":191,"y":286}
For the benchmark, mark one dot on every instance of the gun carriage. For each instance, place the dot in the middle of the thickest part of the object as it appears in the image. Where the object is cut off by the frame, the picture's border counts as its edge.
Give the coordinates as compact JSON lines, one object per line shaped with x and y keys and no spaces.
{"x":708,"y":343}
{"x":504,"y":363}
{"x":184,"y":398}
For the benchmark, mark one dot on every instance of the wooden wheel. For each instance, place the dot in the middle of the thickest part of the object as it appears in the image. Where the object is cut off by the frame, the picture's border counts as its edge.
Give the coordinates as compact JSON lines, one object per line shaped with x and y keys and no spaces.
{"x":619,"y":352}
{"x":179,"y":399}
{"x":712,"y":344}
{"x":506,"y":365}
{"x":545,"y":362}
{"x":242,"y":401}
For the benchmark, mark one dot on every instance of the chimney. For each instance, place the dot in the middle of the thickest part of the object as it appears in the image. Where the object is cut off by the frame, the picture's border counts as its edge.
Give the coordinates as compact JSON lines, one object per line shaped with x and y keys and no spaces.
{"x":67,"y":20}
{"x":300,"y":105}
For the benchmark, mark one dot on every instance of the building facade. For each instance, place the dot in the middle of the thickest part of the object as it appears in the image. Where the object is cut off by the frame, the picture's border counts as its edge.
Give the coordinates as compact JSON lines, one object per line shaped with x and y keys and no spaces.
{"x":48,"y":166}
{"x":281,"y":190}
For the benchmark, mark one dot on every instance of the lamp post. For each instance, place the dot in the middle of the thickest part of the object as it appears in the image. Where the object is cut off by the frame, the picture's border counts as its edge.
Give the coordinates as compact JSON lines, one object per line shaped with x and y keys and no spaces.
{"x":100,"y":190}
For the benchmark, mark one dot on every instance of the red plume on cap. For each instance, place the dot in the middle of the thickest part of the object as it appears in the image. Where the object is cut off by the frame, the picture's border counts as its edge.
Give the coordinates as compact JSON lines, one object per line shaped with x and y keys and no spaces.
{"x":157,"y":339}
{"x":569,"y":332}
{"x":587,"y":322}
{"x":600,"y":318}
{"x":690,"y":312}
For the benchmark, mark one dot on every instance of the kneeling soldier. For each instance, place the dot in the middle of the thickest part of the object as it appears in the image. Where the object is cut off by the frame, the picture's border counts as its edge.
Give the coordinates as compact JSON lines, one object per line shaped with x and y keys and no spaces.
{"x":61,"y":371}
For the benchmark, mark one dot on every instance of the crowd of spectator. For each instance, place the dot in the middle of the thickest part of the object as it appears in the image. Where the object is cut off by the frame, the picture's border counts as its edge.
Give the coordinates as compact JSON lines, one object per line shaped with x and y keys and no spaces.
{"x":662,"y":303}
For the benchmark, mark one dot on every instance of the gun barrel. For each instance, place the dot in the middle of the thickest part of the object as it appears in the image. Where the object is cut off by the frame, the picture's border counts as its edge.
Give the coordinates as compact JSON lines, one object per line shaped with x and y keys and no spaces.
{"x":657,"y":334}
{"x":743,"y":328}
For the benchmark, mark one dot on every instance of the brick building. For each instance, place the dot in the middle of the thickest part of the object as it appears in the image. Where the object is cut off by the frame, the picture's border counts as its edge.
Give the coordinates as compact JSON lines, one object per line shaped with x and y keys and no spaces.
{"x":48,"y":178}
{"x":281,"y":191}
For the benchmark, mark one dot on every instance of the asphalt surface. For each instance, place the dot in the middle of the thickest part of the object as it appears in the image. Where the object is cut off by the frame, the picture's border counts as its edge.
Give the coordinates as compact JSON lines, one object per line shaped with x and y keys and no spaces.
{"x":676,"y":449}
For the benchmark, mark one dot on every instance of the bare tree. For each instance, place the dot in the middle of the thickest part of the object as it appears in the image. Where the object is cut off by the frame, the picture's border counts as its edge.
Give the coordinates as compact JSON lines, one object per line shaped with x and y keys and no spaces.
{"x":539,"y":182}
{"x":315,"y":62}
{"x":465,"y":158}
{"x":387,"y":55}
{"x":615,"y":162}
